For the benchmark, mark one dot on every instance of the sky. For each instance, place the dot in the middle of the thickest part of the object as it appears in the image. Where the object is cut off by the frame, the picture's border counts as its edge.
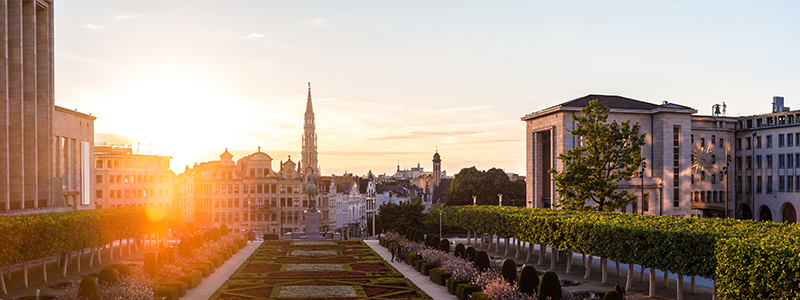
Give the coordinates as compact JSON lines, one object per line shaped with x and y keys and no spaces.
{"x":396,"y":81}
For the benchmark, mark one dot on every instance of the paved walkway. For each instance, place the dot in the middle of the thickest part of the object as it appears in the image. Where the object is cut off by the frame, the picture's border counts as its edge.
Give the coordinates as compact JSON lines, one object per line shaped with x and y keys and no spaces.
{"x":210,"y":284}
{"x":423,"y":282}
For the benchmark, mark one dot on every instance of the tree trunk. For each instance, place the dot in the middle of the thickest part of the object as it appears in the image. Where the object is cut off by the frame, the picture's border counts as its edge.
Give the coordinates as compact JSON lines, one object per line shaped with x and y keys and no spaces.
{"x":680,"y":287}
{"x":128,"y":241}
{"x":120,"y":248}
{"x":468,"y":239}
{"x":617,"y":264}
{"x":588,"y":268}
{"x":542,"y":254}
{"x":569,"y":263}
{"x":9,"y":271}
{"x":25,"y":272}
{"x":506,"y":250}
{"x":91,"y":257}
{"x":100,"y":255}
{"x":604,"y":270}
{"x":693,"y":286}
{"x":497,"y":245}
{"x":666,"y":278}
{"x":479,"y":242}
{"x":111,"y":252}
{"x":652,"y":282}
{"x":66,"y":262}
{"x":629,"y":280}
{"x":530,"y":253}
{"x":80,"y":256}
{"x":3,"y":281}
{"x":641,"y":274}
{"x":553,"y":257}
{"x":44,"y":269}
{"x":520,"y":247}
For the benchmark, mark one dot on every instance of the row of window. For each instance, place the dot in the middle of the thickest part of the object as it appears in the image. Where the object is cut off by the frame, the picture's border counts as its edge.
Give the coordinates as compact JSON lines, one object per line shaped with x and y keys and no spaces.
{"x":132,"y":178}
{"x":786,"y":183}
{"x":256,"y":188}
{"x":128,"y":164}
{"x":708,"y":196}
{"x":713,"y":141}
{"x":768,"y":121}
{"x":231,"y":175}
{"x":784,"y":140}
{"x":784,"y":161}
{"x":713,"y":176}
{"x":133,"y":193}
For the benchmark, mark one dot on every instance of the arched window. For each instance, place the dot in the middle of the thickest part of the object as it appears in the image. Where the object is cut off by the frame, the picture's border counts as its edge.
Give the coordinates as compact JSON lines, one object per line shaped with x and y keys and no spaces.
{"x":713,"y":139}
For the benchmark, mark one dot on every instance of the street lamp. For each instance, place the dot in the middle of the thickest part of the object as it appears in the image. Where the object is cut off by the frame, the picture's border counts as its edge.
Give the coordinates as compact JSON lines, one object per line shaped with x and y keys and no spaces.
{"x":474,"y":200}
{"x":725,"y":171}
{"x":500,"y":200}
{"x":440,"y":222}
{"x":644,"y":166}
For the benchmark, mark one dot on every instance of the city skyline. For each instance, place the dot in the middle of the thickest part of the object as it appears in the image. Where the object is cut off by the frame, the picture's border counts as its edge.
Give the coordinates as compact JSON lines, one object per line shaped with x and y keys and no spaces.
{"x":398,"y":80}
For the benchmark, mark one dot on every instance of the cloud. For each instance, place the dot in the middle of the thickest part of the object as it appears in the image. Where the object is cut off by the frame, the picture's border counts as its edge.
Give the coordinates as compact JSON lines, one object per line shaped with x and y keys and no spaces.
{"x":319,"y":22}
{"x":126,"y":17}
{"x":254,"y":36}
{"x":93,"y":27}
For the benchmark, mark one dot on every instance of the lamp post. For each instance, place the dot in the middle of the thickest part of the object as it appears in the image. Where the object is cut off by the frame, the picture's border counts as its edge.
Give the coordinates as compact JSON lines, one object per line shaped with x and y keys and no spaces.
{"x":725,"y":171}
{"x":474,"y":200}
{"x":644,"y":166}
{"x":440,"y":222}
{"x":499,"y":199}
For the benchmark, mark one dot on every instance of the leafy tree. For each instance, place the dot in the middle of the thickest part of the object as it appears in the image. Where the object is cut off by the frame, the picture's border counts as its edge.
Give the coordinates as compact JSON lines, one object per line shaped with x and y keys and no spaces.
{"x":393,"y":215}
{"x":486,"y":185}
{"x":609,"y":153}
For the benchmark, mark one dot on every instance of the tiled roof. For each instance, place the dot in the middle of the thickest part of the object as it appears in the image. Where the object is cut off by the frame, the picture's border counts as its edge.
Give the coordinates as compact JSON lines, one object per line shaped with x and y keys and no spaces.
{"x":612,"y":101}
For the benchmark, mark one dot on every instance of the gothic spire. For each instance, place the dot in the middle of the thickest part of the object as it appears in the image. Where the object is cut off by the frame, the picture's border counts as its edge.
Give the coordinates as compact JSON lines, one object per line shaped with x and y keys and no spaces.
{"x":309,"y":151}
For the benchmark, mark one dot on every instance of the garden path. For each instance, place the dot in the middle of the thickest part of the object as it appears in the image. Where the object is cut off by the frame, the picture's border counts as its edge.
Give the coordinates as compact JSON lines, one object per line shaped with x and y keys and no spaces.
{"x":423,"y":282}
{"x":210,"y":284}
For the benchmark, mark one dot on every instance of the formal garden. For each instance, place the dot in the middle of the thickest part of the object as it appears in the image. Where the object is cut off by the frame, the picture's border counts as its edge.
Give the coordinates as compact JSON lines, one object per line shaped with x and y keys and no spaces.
{"x":162,"y":272}
{"x":746,"y":259}
{"x":342,"y":270}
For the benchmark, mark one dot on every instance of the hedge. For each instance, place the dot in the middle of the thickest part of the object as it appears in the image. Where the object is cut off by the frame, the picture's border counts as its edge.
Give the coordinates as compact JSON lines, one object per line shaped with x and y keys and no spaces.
{"x":35,"y":236}
{"x":747,"y":259}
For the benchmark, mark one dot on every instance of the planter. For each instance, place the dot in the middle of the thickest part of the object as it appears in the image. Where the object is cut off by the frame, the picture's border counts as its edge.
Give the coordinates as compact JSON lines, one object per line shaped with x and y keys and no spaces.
{"x":418,"y":265}
{"x":191,"y":280}
{"x":205,"y":269}
{"x":479,"y":296}
{"x":465,"y":289}
{"x":180,"y":287}
{"x":409,"y":258}
{"x":426,"y":268}
{"x":219,"y":260}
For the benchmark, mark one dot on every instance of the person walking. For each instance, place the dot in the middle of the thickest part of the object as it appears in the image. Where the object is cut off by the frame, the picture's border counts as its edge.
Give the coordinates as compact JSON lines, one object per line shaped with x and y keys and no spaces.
{"x":392,"y":250}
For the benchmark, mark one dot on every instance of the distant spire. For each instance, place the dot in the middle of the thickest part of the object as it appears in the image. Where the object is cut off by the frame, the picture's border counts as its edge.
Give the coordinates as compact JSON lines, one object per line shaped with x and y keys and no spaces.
{"x":308,"y":154}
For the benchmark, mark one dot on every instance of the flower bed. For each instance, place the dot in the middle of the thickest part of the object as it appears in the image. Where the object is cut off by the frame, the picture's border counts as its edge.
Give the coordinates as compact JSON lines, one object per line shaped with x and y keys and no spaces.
{"x":273,"y":272}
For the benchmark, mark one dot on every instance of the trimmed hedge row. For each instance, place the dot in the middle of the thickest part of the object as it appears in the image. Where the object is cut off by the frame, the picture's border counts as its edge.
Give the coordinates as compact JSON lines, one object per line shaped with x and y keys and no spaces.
{"x":35,"y":236}
{"x":747,"y":259}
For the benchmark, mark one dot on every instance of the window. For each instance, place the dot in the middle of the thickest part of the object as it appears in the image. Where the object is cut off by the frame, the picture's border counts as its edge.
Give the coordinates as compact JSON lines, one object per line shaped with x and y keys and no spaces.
{"x":797,"y":138}
{"x":758,"y":161}
{"x":789,"y":161}
{"x":769,"y":161}
{"x":769,"y":142}
{"x":738,"y":144}
{"x":722,"y":143}
{"x":98,"y":164}
{"x":692,"y":138}
{"x":797,"y":183}
{"x":758,"y":184}
{"x":780,"y":140}
{"x":738,"y":163}
{"x":99,"y":193}
{"x":769,"y":184}
{"x":789,"y":140}
{"x":676,"y":192}
{"x":702,"y":142}
{"x":252,"y":173}
{"x":99,"y":178}
{"x":713,"y":158}
{"x":713,"y":178}
{"x":702,"y":175}
{"x":749,"y":143}
{"x":781,"y":161}
{"x":789,"y":183}
{"x":781,"y":183}
{"x":713,"y":139}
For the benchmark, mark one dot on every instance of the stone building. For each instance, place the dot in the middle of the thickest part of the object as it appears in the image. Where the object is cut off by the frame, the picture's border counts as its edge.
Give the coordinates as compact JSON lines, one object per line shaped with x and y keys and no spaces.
{"x":45,"y":150}
{"x":673,"y":183}
{"x":123,"y":178}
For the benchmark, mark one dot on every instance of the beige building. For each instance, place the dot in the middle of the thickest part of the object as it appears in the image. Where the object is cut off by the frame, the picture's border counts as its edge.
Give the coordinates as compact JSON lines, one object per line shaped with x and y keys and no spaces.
{"x":123,"y":178}
{"x":45,"y":151}
{"x":685,"y":155}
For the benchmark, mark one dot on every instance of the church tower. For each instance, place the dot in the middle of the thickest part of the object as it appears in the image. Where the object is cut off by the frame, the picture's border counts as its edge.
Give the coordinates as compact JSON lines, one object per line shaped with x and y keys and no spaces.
{"x":308,"y":160}
{"x":437,"y":169}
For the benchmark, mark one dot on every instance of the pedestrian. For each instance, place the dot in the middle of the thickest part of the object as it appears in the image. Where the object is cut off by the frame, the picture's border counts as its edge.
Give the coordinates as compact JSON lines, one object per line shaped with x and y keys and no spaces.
{"x":392,"y":250}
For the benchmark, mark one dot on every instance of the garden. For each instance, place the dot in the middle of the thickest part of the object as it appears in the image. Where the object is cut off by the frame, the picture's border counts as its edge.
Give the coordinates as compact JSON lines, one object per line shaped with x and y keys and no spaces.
{"x":342,"y":270}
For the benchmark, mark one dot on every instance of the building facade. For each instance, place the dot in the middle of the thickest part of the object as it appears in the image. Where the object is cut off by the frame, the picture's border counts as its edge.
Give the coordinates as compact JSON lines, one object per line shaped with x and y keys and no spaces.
{"x":123,"y":178}
{"x":685,"y":155}
{"x":45,"y":151}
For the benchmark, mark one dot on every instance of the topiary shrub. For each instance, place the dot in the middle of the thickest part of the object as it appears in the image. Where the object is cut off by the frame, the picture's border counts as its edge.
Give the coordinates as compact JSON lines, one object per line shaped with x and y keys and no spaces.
{"x":528,"y":280}
{"x":460,"y":250}
{"x":550,"y":286}
{"x":88,"y":288}
{"x":428,"y":240}
{"x":444,"y":245}
{"x":162,"y":258}
{"x":509,"y":271}
{"x":107,"y":276}
{"x":150,"y":264}
{"x":402,"y":229}
{"x":435,"y":242}
{"x":420,"y":236}
{"x":123,"y":270}
{"x":223,"y":230}
{"x":482,"y":261}
{"x":185,"y":248}
{"x":170,"y":255}
{"x":470,"y":254}
{"x":208,"y":236}
{"x":411,"y":233}
{"x":612,"y":295}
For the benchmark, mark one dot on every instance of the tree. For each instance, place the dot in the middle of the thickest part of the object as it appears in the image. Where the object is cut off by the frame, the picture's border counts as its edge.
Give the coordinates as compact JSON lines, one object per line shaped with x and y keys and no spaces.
{"x":393,"y":215}
{"x":486,"y":185}
{"x":607,"y":154}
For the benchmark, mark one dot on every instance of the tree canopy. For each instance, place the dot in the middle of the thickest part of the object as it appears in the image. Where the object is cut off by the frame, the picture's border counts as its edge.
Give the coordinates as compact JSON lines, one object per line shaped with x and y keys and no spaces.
{"x":608,"y":152}
{"x":486,"y":185}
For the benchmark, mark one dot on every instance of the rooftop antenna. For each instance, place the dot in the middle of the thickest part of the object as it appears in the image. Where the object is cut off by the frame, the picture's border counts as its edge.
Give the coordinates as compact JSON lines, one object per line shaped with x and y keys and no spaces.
{"x":137,"y":148}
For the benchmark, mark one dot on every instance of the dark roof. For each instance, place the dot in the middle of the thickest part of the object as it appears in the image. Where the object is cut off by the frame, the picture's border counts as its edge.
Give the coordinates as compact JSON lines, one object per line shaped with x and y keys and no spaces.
{"x":440,"y":191}
{"x":612,"y":101}
{"x":673,"y":105}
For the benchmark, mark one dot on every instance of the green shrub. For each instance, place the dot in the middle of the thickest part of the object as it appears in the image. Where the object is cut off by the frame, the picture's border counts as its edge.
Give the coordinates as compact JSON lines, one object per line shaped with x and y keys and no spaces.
{"x":612,"y":295}
{"x":470,"y":253}
{"x":528,"y":280}
{"x":108,"y":276}
{"x":185,"y":248}
{"x":460,"y":250}
{"x":482,"y":261}
{"x":550,"y":286}
{"x":170,"y":255}
{"x":444,"y":245}
{"x":509,"y":271}
{"x":402,"y":229}
{"x":223,"y":230}
{"x":88,"y":288}
{"x":123,"y":270}
{"x":150,"y":264}
{"x":435,"y":242}
{"x":428,"y":240}
{"x":162,"y":258}
{"x":480,"y":296}
{"x":420,"y":236}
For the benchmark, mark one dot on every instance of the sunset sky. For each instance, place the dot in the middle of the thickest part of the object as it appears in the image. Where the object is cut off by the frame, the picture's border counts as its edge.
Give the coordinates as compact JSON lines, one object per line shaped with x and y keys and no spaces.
{"x":394,"y":80}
